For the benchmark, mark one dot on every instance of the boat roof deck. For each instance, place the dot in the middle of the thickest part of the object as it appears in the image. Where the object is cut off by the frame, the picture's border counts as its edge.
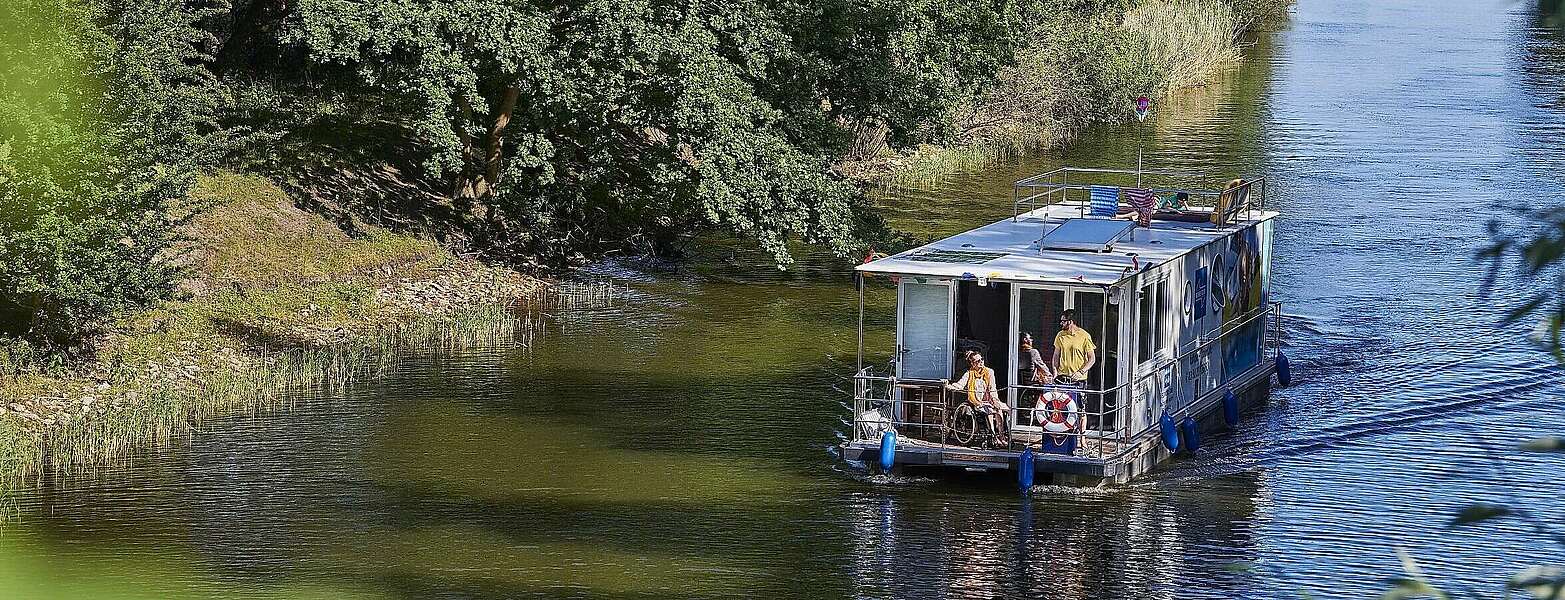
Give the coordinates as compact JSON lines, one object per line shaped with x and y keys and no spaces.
{"x":1009,"y":249}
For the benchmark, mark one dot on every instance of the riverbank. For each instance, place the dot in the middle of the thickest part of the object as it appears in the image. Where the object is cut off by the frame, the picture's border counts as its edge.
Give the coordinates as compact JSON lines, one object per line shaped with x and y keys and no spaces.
{"x":276,"y":299}
{"x":1077,"y":72}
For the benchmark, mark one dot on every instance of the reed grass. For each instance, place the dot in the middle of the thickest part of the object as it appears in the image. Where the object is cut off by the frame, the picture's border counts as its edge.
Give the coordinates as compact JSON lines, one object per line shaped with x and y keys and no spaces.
{"x":253,"y":339}
{"x":1183,"y":42}
{"x":1082,"y":71}
{"x":165,"y":412}
{"x":933,"y":164}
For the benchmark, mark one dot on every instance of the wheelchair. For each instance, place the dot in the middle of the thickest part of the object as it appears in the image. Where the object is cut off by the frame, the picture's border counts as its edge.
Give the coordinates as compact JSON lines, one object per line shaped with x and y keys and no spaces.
{"x":970,"y":423}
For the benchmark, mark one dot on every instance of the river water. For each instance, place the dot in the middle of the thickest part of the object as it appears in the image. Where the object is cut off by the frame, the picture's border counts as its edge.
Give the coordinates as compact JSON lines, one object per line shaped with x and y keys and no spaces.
{"x":676,"y":442}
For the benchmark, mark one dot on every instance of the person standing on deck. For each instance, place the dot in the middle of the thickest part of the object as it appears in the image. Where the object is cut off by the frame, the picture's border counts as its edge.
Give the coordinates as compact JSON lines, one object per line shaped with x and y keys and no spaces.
{"x":1074,"y":352}
{"x":1035,"y":371}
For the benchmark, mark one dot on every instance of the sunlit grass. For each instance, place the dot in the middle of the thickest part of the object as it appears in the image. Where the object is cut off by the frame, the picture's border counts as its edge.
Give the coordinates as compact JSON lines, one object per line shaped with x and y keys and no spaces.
{"x":1184,"y":41}
{"x":253,"y":236}
{"x":279,"y":301}
{"x":176,"y":408}
{"x":932,"y":164}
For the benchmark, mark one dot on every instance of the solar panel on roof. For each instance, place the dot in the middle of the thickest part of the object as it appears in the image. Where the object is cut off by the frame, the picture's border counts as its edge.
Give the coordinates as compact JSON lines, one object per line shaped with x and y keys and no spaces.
{"x":973,"y":257}
{"x":1096,"y":235}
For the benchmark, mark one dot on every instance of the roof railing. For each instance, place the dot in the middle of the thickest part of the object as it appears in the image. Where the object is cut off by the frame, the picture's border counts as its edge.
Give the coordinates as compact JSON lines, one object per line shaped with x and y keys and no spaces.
{"x":1057,"y":187}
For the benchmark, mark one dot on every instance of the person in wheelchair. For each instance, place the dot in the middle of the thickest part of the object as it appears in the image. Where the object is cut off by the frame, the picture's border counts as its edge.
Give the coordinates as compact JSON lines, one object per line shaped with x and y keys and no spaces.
{"x":982,"y":394}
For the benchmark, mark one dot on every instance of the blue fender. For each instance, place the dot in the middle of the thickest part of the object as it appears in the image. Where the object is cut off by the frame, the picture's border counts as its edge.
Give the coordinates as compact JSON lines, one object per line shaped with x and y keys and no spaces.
{"x":1190,"y":432}
{"x":1284,"y":371}
{"x":888,"y":450}
{"x":1170,"y":433}
{"x":1024,"y":470}
{"x":1230,"y":408}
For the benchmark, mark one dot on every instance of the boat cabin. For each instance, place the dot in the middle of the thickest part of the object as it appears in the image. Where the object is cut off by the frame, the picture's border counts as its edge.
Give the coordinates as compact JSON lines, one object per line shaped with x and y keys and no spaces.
{"x":1170,"y":282}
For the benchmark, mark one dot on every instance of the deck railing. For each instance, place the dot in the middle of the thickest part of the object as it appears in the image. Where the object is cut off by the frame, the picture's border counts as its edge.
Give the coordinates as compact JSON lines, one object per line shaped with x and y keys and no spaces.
{"x":1059,"y":186}
{"x":922,"y":409}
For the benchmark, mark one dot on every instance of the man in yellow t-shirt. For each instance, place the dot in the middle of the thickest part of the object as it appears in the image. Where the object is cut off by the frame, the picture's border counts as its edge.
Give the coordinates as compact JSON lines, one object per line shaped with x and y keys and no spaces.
{"x":1074,"y":352}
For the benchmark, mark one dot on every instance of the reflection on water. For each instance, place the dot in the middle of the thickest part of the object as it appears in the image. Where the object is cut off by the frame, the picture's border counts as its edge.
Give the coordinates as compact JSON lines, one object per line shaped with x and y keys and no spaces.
{"x":676,"y":442}
{"x":1072,"y":543}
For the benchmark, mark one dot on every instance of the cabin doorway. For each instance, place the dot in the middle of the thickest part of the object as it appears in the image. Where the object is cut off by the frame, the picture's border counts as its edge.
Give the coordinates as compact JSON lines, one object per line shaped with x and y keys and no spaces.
{"x":983,"y":324}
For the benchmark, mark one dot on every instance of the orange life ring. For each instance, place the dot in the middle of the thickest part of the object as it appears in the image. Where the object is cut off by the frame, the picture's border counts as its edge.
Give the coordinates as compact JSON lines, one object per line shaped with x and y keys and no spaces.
{"x":1058,"y":413}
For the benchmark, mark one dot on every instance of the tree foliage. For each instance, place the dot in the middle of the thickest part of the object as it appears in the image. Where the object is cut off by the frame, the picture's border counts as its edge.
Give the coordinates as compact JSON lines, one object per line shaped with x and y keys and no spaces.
{"x":545,"y":130}
{"x":92,"y":109}
{"x":573,"y":126}
{"x":1538,"y":253}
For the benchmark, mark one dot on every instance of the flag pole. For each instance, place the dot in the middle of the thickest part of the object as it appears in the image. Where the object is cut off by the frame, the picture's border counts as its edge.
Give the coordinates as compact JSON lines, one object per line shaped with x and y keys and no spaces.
{"x":1143,"y":106}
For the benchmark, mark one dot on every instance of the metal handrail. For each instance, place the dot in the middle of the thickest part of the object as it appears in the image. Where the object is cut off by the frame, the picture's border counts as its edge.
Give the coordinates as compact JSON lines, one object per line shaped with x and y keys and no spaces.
{"x":1120,"y":430}
{"x":1067,"y":170}
{"x":1046,"y":181}
{"x":1273,"y":308}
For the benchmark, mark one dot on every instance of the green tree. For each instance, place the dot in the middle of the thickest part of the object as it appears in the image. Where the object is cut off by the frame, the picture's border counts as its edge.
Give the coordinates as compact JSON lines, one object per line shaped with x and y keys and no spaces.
{"x":94,"y":124}
{"x":568,"y":127}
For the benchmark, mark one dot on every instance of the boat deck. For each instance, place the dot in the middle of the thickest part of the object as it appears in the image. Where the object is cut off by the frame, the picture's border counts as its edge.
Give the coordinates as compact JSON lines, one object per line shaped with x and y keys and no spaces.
{"x":912,"y":451}
{"x":1095,"y":460}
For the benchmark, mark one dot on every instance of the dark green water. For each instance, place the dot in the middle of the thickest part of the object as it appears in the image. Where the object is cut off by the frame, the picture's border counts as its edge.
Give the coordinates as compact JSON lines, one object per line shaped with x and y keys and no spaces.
{"x":677,"y":442}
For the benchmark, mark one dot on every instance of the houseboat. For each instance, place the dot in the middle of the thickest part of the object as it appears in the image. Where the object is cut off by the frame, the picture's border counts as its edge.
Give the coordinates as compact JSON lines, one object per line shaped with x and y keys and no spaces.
{"x":1168,"y":275}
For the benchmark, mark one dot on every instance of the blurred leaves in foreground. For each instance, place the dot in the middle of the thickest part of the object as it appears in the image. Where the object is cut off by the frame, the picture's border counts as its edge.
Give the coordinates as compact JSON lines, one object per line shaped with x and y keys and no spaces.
{"x":90,"y":163}
{"x":1538,"y":582}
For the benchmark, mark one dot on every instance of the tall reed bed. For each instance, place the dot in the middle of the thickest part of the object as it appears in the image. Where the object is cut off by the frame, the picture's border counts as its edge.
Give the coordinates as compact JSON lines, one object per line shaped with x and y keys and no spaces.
{"x":164,"y":412}
{"x":1182,"y":42}
{"x":1080,"y":69}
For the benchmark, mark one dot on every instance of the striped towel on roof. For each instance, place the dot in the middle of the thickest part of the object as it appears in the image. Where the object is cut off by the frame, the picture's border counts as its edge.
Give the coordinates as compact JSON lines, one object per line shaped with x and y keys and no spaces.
{"x":1144,"y":203}
{"x":1105,"y":201}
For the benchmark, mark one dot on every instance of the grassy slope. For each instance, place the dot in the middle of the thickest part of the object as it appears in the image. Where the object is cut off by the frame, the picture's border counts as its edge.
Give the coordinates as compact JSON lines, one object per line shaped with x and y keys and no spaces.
{"x":278,"y":298}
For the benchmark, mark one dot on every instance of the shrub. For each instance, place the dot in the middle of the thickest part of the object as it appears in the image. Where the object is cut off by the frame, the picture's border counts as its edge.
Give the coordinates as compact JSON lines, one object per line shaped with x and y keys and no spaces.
{"x":89,"y":151}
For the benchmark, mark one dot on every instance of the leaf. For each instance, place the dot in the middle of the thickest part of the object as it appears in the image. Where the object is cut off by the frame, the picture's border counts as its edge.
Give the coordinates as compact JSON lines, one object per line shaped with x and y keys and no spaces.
{"x":1414,"y":585}
{"x":1517,"y":313}
{"x":1412,"y":588}
{"x":1239,"y":566}
{"x":1540,"y":582}
{"x":1552,"y":443}
{"x":1479,"y":512}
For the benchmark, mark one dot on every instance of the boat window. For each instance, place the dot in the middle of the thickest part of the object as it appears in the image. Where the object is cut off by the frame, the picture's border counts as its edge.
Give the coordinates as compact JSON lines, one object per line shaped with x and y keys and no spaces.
{"x":1109,"y":371}
{"x":1089,"y":316}
{"x":983,"y":325}
{"x":1147,"y":312}
{"x":1038,"y":313}
{"x":1164,"y":326}
{"x":1155,"y":320}
{"x":1216,"y":287}
{"x":1186,"y":307}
